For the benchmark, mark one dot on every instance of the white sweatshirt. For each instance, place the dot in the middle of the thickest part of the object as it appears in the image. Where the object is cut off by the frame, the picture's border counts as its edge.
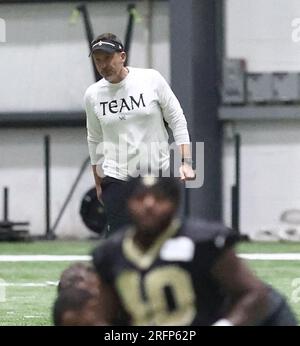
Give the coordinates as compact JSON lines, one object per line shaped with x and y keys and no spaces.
{"x":125,"y":128}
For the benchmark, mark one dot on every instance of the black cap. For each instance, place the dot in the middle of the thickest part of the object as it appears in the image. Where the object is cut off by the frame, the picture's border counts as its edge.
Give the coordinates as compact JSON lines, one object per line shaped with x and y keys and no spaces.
{"x":108,"y":46}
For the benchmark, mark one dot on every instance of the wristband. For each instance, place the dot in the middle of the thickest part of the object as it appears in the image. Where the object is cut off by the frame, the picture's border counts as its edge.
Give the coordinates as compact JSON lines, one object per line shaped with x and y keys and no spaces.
{"x":223,"y":322}
{"x":187,"y":160}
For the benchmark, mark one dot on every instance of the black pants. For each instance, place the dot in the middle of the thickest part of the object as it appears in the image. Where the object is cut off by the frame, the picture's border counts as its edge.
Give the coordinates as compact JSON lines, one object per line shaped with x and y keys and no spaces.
{"x":114,"y":198}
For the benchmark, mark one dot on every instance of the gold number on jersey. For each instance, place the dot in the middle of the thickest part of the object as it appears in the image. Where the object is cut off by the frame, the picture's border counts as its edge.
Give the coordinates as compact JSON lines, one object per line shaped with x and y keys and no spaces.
{"x":154,"y":309}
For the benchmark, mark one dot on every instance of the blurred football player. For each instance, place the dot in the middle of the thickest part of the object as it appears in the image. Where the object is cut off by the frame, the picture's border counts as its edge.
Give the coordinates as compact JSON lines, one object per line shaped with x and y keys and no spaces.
{"x":81,"y":276}
{"x":163,"y":271}
{"x":78,"y":302}
{"x":77,"y":307}
{"x":78,"y":297}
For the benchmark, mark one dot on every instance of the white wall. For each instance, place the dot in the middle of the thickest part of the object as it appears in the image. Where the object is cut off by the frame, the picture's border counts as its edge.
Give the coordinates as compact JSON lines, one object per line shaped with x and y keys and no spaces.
{"x":44,"y":66}
{"x":270,"y":184}
{"x":261,"y":32}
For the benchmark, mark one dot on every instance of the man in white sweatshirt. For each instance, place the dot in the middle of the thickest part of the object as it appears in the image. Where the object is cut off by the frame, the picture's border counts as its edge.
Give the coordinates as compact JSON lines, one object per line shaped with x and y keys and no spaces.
{"x":126,"y":133}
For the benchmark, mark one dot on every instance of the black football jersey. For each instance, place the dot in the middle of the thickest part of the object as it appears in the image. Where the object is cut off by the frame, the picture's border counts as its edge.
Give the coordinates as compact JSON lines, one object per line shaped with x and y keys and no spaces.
{"x":170,"y":283}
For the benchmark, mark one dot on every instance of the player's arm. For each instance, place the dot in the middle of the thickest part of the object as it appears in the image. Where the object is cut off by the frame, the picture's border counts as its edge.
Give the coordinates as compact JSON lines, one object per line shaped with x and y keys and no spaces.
{"x":98,"y":181}
{"x":109,"y":304}
{"x":174,"y":116}
{"x":102,"y":258}
{"x":248,"y":293}
{"x":94,"y":138}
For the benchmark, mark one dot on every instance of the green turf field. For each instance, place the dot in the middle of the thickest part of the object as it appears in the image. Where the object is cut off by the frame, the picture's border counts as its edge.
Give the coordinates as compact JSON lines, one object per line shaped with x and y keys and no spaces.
{"x":27,"y":305}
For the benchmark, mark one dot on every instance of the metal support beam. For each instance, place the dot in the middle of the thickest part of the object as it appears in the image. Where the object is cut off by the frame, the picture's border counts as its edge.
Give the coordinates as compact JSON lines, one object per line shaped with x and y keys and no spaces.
{"x":194,"y":75}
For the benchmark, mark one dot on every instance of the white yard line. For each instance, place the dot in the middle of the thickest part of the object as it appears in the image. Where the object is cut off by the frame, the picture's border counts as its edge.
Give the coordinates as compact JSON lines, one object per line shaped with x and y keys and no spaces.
{"x":52,"y":258}
{"x":28,"y":284}
{"x":63,"y":258}
{"x":272,"y":256}
{"x":42,"y":258}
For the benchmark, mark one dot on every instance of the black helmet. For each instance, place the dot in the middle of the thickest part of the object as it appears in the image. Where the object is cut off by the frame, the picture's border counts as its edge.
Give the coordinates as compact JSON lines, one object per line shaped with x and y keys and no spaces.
{"x":164,"y":187}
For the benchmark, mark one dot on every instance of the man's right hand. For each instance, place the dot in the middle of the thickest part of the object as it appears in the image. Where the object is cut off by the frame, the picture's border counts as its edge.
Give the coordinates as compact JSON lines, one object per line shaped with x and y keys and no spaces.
{"x":97,"y":183}
{"x":99,"y":193}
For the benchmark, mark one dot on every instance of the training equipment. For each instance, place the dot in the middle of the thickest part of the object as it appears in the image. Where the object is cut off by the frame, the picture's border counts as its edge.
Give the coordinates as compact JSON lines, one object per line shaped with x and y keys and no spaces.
{"x":10,"y":230}
{"x":290,"y":234}
{"x":291,"y":216}
{"x":266,"y":234}
{"x":92,"y":212}
{"x":259,"y":88}
{"x":286,"y":87}
{"x":233,"y":90}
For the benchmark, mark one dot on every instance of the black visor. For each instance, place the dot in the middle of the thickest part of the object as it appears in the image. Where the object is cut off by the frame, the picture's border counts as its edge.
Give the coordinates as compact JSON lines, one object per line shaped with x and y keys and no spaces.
{"x":108,"y":46}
